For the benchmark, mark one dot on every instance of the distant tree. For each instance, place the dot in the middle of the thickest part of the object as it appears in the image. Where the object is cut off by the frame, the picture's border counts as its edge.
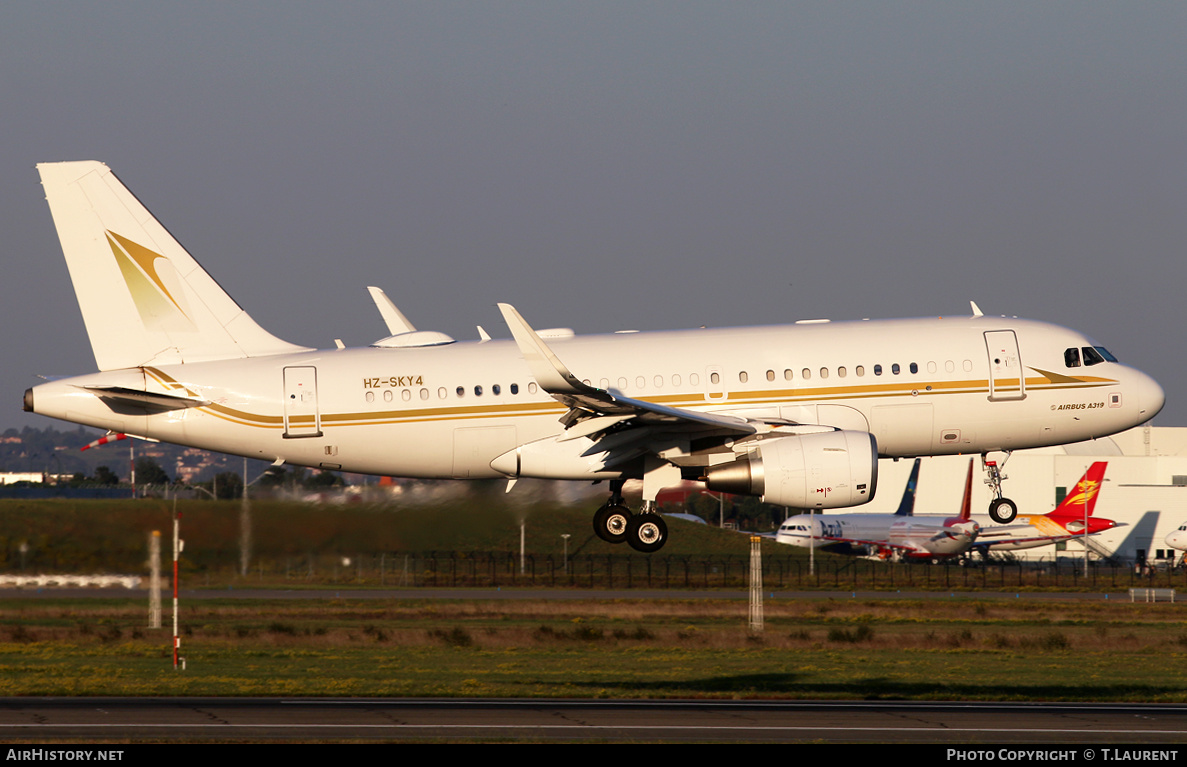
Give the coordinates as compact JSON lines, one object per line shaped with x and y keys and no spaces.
{"x":228,"y":486}
{"x":105,"y":476}
{"x":280,"y":477}
{"x":149,"y":472}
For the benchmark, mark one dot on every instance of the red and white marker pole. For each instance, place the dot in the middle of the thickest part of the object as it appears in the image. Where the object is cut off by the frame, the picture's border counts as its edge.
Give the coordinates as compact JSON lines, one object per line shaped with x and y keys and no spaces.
{"x":177,"y":546}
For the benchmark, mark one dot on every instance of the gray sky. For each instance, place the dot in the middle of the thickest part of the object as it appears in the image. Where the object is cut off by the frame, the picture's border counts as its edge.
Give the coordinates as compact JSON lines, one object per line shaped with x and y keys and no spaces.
{"x":609,"y":165}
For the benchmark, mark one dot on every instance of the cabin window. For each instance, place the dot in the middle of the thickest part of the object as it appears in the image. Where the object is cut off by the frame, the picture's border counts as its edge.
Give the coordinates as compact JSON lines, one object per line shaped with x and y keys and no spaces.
{"x":387,"y":395}
{"x":604,"y":383}
{"x":461,"y":391}
{"x":622,"y":384}
{"x":949,"y":366}
{"x":1071,"y":357}
{"x":442,"y":393}
{"x":370,"y":396}
{"x":806,"y":374}
{"x":914,"y":368}
{"x":532,"y":387}
{"x":586,"y":381}
{"x":675,"y":379}
{"x":824,"y":372}
{"x":860,"y":370}
{"x":406,"y":395}
{"x":877,"y":370}
{"x":424,"y":393}
{"x":496,"y":390}
{"x":770,"y":375}
{"x":841,"y":371}
{"x":787,"y":374}
{"x":714,"y":378}
{"x":515,"y":388}
{"x":640,"y":382}
{"x":659,"y":382}
{"x":895,"y":369}
{"x":743,"y":377}
{"x":968,"y":366}
{"x":477,"y":391}
{"x":931,"y":366}
{"x":694,"y":379}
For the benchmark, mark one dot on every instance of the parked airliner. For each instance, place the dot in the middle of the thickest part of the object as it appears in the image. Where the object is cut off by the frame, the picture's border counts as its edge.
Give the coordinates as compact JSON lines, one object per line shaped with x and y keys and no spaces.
{"x":900,"y":535}
{"x":1177,"y":539}
{"x":797,"y":414}
{"x":1068,"y":520}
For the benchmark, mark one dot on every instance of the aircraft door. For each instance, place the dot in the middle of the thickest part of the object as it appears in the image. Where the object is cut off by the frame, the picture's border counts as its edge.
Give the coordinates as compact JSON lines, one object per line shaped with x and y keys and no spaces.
{"x":1007,"y":380}
{"x":301,"y":415}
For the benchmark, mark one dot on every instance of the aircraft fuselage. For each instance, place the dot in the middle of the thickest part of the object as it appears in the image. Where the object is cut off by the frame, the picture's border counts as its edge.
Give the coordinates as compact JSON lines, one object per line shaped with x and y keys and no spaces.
{"x":934,"y":386}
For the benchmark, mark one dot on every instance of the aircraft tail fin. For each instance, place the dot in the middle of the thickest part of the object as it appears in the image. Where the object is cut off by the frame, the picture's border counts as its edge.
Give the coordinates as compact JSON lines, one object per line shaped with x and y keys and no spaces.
{"x":144,"y":299}
{"x":1085,"y":492}
{"x":966,"y":504}
{"x":906,"y":506}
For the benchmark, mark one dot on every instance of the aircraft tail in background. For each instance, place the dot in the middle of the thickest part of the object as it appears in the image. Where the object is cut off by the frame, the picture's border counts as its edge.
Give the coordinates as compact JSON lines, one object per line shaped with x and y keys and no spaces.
{"x":906,"y":507}
{"x":1085,"y":491}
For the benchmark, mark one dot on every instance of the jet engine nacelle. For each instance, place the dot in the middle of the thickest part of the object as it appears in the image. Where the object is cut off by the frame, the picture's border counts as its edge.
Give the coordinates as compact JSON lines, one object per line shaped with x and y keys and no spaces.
{"x":819,"y":471}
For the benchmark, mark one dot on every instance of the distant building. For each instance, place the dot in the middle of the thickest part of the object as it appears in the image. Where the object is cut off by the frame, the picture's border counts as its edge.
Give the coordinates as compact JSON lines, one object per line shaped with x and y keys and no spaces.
{"x":12,"y":477}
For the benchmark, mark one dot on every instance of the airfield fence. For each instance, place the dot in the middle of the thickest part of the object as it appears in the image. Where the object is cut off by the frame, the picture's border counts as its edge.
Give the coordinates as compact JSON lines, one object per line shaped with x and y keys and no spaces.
{"x":627,"y":571}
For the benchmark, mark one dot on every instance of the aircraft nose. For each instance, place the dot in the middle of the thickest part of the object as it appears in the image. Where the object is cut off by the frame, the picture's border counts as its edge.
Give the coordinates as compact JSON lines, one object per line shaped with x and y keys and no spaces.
{"x":1151,"y":397}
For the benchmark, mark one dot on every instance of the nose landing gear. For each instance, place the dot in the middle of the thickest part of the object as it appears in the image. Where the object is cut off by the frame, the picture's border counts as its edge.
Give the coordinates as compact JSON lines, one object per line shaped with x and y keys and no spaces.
{"x":1001,"y":510}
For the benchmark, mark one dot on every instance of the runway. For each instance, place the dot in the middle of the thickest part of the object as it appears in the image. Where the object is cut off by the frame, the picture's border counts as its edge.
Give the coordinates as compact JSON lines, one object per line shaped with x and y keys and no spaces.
{"x":135,"y":720}
{"x":512,"y":594}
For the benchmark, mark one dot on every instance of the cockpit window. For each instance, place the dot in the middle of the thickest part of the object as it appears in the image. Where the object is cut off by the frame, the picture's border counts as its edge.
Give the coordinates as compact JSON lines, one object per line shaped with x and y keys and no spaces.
{"x":1105,"y":353}
{"x":1071,"y":357}
{"x":1092,"y":356}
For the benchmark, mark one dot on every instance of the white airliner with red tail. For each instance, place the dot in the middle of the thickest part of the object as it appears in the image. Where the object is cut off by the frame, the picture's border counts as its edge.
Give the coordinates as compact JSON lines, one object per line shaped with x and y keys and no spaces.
{"x":900,"y":535}
{"x":796,"y":414}
{"x":1072,"y":518}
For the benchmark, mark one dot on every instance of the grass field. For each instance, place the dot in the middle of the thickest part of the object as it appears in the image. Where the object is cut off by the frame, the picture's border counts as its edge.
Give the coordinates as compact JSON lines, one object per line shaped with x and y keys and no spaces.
{"x":818,"y":648}
{"x":811,"y":648}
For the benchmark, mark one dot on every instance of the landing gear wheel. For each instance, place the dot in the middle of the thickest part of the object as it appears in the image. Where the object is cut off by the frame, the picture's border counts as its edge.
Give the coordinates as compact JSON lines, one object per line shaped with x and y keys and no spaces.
{"x":647,"y":533}
{"x":610,"y":523}
{"x":1002,"y":510}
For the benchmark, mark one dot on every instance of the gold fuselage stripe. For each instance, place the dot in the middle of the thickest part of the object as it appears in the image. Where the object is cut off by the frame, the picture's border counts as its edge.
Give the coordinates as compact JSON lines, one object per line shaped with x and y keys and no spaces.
{"x":769,"y":398}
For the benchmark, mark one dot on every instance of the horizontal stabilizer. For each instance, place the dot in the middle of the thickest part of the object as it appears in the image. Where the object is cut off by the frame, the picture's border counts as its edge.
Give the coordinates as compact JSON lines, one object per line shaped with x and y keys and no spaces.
{"x":151,"y":400}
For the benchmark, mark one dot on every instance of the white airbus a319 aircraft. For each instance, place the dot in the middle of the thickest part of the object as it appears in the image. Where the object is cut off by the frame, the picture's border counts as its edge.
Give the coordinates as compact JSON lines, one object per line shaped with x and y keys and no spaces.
{"x":797,"y":414}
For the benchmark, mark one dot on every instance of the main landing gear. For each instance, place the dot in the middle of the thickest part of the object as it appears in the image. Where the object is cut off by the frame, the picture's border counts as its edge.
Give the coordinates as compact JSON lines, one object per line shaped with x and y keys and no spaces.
{"x":1001,"y":510}
{"x":614,"y":523}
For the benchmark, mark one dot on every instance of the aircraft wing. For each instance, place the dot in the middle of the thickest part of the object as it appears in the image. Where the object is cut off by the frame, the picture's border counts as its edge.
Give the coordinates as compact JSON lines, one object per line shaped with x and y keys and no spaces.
{"x":593,"y":410}
{"x":982,"y":544}
{"x":826,"y":540}
{"x":986,"y":545}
